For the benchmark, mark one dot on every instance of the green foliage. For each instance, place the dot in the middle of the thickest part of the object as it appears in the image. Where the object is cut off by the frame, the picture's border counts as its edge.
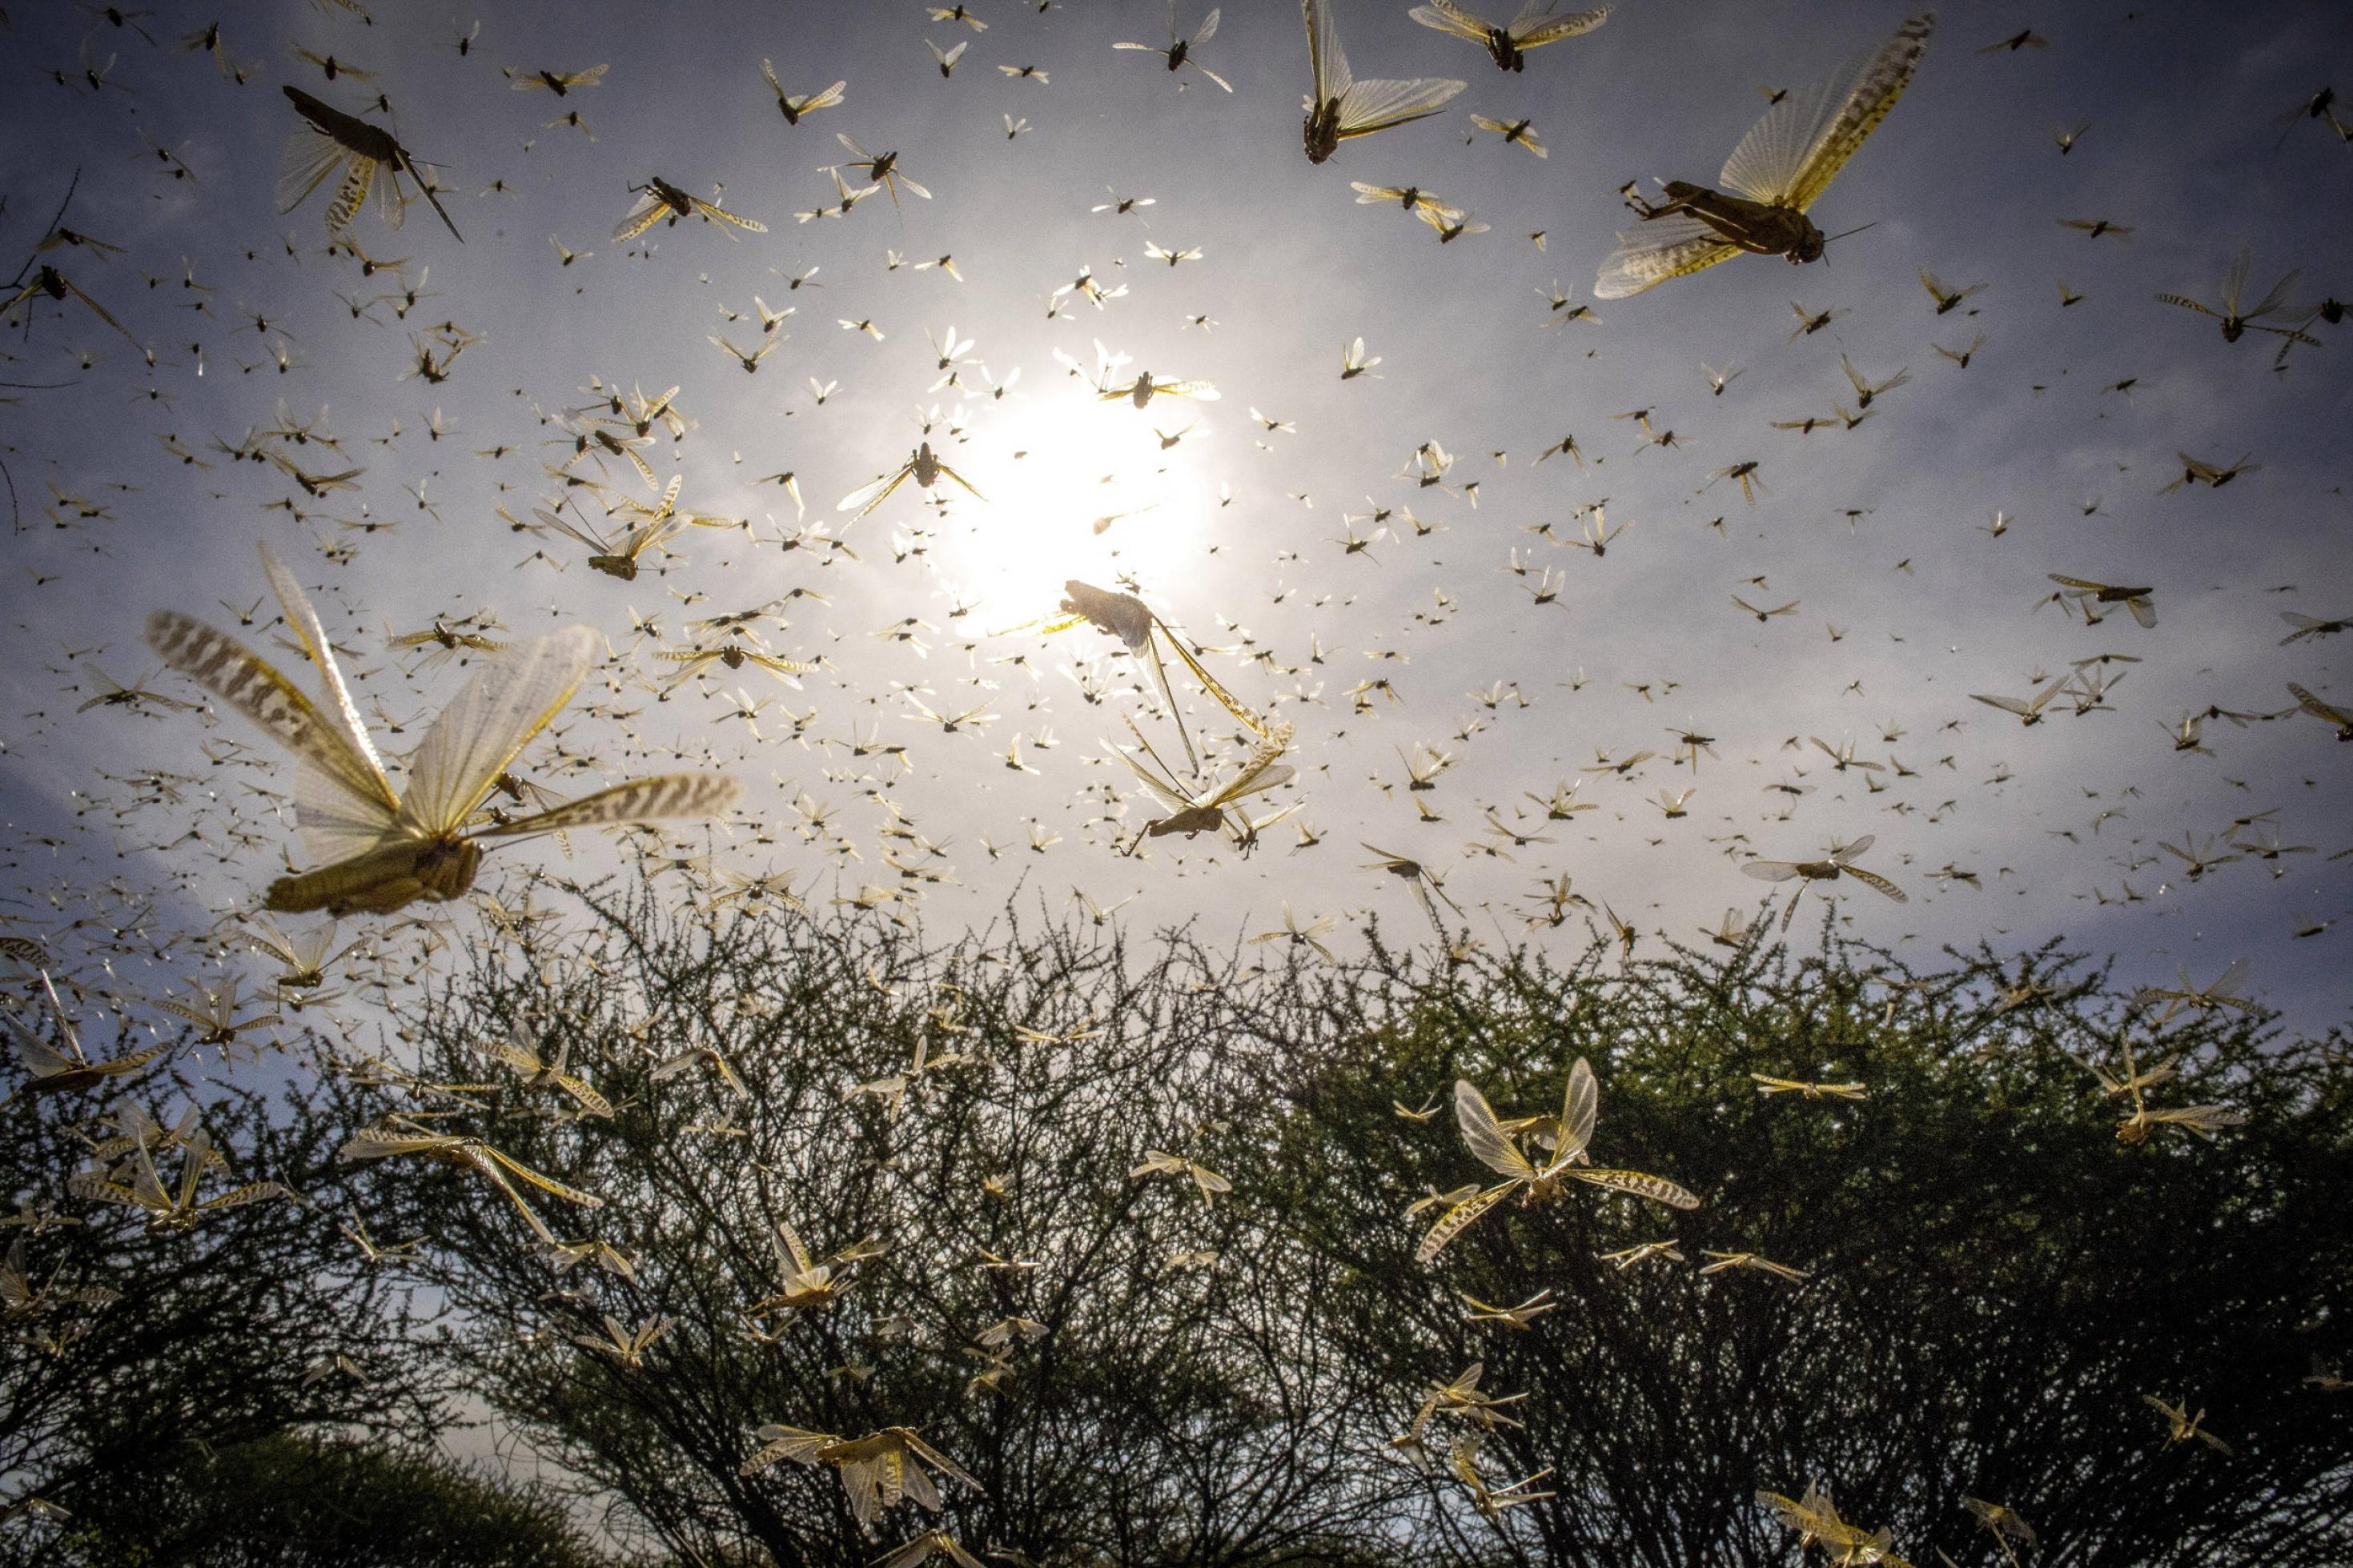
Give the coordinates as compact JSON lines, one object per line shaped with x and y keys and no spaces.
{"x":137,"y":1346}
{"x":291,"y":1501}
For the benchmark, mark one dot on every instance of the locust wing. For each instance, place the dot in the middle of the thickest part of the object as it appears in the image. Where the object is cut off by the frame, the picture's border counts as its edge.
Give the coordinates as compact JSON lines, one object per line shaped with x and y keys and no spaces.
{"x":640,"y":217}
{"x":663,"y":798}
{"x":1536,"y":25}
{"x":1790,"y":156}
{"x":1485,"y":1135}
{"x":1370,"y":106}
{"x":1658,"y":1189}
{"x":1671,"y":247}
{"x":1458,"y":1219}
{"x":509,"y":701}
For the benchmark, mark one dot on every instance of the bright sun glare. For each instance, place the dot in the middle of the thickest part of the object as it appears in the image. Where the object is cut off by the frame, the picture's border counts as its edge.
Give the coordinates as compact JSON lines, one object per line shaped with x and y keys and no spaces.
{"x":1080,"y":489}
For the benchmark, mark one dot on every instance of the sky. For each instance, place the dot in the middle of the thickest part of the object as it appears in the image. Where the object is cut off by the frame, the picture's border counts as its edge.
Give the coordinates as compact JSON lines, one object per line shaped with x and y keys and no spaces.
{"x":2066,"y":422}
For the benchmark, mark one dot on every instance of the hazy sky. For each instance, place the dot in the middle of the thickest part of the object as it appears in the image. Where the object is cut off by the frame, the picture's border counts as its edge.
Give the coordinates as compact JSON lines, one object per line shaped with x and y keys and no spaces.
{"x":1237,"y":532}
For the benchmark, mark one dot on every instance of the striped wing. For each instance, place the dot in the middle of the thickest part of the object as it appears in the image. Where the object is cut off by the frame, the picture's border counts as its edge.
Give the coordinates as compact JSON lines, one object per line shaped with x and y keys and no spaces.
{"x":1877,"y":883}
{"x":1790,"y":156}
{"x":382,"y":1142}
{"x":2315,"y":706}
{"x":549,"y":1184}
{"x":663,"y":798}
{"x":342,"y":804}
{"x":1535,"y":24}
{"x":1456,"y":1220}
{"x":640,"y":217}
{"x":1210,"y":684}
{"x":713,"y":210}
{"x":1486,"y":1137}
{"x":1664,"y":247}
{"x":359,"y":178}
{"x":510,"y":701}
{"x":1658,"y":1189}
{"x":251,"y":1193}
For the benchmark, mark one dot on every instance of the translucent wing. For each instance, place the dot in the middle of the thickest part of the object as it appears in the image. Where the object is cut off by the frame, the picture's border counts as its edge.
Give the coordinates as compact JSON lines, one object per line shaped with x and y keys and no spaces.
{"x":1790,"y":156}
{"x":40,"y":1058}
{"x":304,"y":622}
{"x":1456,"y":1220}
{"x":507,"y":703}
{"x":866,"y":497}
{"x":308,"y":160}
{"x":1661,"y":248}
{"x":940,"y":1462}
{"x":1256,"y":779}
{"x":1849,"y":851}
{"x":1208,"y":27}
{"x":1579,"y":1108}
{"x":1173,"y":798}
{"x":1324,"y":54}
{"x":1370,"y":106}
{"x":1658,"y":1189}
{"x":1485,"y":1137}
{"x":1448,"y":17}
{"x":663,"y":798}
{"x":1769,"y":870}
{"x":2235,"y":283}
{"x":1534,"y":25}
{"x":392,"y":201}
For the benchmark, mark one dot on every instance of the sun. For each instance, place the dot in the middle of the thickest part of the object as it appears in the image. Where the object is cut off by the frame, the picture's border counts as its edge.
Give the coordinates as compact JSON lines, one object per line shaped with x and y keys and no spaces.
{"x":1079,"y":487}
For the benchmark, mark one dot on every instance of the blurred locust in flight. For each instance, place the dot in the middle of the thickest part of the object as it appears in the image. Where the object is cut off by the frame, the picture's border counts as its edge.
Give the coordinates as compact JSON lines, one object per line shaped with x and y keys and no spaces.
{"x":921,"y":467}
{"x":1179,"y":49}
{"x":658,"y":199}
{"x":1836,"y":864}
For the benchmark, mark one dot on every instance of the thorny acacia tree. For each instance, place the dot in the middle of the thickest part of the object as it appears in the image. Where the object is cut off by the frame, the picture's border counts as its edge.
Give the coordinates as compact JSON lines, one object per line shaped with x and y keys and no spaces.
{"x":1166,"y":1391}
{"x":1995,"y":1279}
{"x":137,"y":1349}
